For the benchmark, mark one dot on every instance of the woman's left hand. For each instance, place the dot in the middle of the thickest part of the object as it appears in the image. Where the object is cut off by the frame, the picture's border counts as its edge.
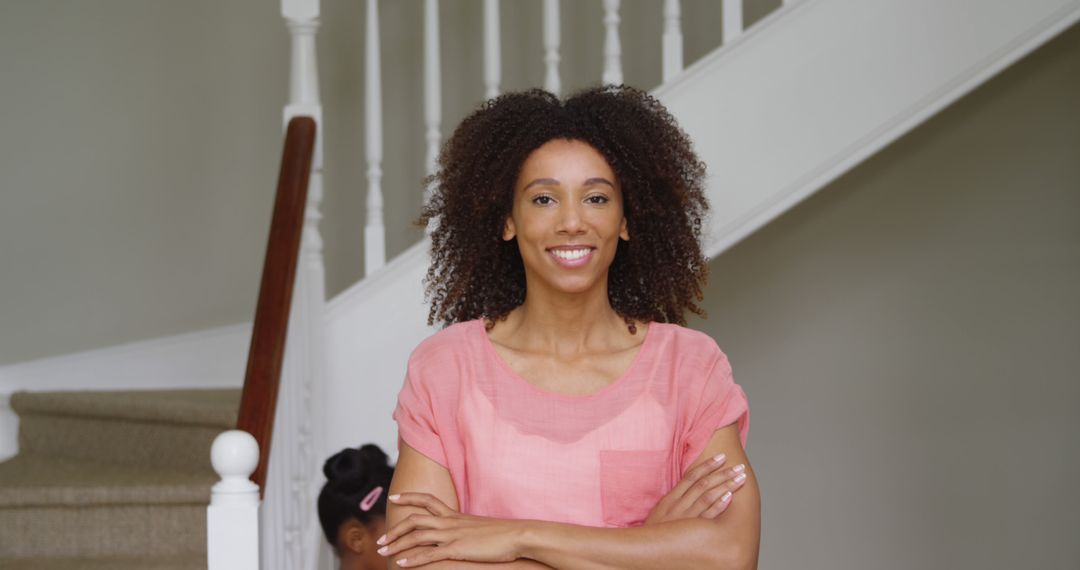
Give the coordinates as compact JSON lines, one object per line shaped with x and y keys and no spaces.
{"x":445,"y":534}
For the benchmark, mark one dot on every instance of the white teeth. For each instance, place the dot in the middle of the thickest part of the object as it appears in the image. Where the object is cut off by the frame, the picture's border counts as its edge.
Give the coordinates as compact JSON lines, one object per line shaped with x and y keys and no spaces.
{"x":570,"y":254}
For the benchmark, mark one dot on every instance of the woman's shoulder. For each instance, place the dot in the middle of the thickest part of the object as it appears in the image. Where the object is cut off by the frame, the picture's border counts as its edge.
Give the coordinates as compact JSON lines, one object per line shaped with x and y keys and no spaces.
{"x":678,"y":337}
{"x":451,"y":342}
{"x":685,"y":347}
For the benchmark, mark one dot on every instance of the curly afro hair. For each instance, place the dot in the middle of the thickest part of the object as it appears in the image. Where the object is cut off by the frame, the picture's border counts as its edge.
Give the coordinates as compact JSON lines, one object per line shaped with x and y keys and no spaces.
{"x":656,"y":276}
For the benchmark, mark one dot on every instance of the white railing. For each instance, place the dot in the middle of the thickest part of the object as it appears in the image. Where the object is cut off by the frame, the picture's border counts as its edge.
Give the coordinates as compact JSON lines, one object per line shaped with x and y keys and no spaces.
{"x":551,"y":47}
{"x":287,"y":528}
{"x":670,"y":42}
{"x":612,"y":47}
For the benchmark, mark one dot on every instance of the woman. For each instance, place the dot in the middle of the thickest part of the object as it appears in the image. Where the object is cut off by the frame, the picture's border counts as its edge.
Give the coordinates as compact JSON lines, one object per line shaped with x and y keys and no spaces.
{"x":352,"y":505}
{"x":564,"y":418}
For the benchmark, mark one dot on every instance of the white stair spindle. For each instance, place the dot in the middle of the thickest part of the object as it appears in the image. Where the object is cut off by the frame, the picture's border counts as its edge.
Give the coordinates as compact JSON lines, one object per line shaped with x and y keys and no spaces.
{"x":612,"y":48}
{"x":552,"y":83}
{"x":374,"y":229}
{"x":673,"y":40}
{"x":232,"y":519}
{"x":432,"y":83}
{"x":292,"y":472}
{"x":492,"y":49}
{"x":732,"y":19}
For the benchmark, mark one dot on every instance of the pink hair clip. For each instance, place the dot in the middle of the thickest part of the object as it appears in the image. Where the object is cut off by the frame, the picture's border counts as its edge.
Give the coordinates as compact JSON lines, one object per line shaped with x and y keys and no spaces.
{"x":370,"y":499}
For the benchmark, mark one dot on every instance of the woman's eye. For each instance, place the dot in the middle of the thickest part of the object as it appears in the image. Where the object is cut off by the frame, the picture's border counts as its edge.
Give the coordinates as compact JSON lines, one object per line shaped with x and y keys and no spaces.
{"x":598,"y":199}
{"x":542,"y":200}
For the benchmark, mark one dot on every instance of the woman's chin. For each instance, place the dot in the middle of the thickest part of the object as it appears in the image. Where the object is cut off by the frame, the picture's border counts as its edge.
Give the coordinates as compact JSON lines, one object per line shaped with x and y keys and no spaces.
{"x":574,"y":285}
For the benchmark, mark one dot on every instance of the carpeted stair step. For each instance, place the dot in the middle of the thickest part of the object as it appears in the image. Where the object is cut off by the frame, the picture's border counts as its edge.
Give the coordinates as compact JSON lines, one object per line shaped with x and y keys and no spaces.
{"x":158,"y":428}
{"x":53,"y":508}
{"x":157,"y":563}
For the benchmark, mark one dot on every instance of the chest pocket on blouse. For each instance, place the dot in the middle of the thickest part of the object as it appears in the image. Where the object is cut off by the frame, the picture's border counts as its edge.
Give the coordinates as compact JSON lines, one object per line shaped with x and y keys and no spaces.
{"x":631,"y":483}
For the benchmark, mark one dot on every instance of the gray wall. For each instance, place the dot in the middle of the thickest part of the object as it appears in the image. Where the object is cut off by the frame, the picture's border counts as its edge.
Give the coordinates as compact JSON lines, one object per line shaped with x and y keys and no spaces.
{"x":139,"y":142}
{"x":909,"y":338}
{"x":138,"y":151}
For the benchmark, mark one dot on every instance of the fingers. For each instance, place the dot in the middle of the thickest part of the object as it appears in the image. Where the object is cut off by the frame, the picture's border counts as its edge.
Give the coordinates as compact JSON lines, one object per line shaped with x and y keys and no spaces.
{"x":409,"y":524}
{"x":717,"y":507}
{"x":418,"y":557}
{"x":424,"y":500}
{"x":717,"y":491}
{"x":681,"y":501}
{"x":694,"y":475}
{"x":712,"y":481}
{"x":413,"y":540}
{"x":424,"y":556}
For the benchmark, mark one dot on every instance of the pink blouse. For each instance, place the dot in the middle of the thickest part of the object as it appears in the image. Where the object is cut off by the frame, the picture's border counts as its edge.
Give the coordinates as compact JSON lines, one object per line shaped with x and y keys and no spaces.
{"x":603,"y":459}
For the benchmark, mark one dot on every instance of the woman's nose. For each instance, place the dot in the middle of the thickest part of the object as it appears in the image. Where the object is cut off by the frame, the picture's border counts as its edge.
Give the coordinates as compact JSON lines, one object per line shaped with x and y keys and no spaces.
{"x":570,"y":220}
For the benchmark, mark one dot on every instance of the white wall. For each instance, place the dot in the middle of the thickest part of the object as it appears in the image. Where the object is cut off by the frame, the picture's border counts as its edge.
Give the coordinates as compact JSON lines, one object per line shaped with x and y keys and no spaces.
{"x":908,"y":341}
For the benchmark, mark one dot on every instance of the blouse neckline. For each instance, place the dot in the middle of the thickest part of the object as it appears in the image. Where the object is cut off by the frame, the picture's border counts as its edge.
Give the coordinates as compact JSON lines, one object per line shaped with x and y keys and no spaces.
{"x":489,"y":348}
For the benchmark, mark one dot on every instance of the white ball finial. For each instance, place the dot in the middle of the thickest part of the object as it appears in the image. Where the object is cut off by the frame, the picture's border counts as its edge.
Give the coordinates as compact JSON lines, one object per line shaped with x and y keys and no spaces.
{"x":234,"y":455}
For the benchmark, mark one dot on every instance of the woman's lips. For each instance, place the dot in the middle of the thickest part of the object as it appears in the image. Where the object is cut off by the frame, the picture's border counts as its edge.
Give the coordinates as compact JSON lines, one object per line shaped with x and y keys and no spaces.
{"x":571,"y":257}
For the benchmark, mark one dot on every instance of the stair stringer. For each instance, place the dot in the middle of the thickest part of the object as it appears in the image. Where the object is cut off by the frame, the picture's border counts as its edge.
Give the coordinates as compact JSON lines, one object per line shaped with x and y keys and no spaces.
{"x":802,"y":97}
{"x":820,"y":85}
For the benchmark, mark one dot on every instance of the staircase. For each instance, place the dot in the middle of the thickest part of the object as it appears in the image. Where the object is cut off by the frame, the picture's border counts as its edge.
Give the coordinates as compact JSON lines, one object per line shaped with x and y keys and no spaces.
{"x":777,"y":114}
{"x":111,"y":479}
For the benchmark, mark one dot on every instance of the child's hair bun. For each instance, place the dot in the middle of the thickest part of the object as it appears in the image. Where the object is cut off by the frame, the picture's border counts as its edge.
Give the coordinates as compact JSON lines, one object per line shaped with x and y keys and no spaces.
{"x":358,"y":465}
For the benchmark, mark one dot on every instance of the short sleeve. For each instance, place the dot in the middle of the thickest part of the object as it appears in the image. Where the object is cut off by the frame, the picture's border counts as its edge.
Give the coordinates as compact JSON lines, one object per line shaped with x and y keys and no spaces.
{"x":415,"y":415}
{"x":722,"y":403}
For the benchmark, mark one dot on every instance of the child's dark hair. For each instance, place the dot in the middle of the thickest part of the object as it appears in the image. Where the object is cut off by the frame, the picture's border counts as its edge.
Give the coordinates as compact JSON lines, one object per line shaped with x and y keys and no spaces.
{"x":350,"y":475}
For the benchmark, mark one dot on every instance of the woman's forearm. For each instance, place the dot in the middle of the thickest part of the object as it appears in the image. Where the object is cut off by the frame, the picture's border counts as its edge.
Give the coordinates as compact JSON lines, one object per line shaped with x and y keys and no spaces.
{"x":691,"y":543}
{"x":520,"y":564}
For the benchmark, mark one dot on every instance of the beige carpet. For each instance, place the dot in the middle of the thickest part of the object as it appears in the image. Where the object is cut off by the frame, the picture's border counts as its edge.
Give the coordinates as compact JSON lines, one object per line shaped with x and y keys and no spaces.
{"x":111,"y":479}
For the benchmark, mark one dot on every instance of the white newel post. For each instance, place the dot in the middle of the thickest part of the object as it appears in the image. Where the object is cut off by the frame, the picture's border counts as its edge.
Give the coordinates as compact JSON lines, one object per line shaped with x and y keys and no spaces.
{"x":492,"y":49}
{"x":551,"y":47}
{"x":432,"y":83}
{"x":232,"y":519}
{"x":289,"y":530}
{"x":612,"y":47}
{"x":374,"y":229}
{"x":732,"y":19}
{"x":673,"y":40}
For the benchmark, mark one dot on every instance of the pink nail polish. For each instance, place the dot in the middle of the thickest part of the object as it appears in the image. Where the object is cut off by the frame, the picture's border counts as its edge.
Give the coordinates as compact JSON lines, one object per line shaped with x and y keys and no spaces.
{"x":381,"y":541}
{"x":719,"y":458}
{"x":403,"y":562}
{"x":740,"y":478}
{"x":739,"y":468}
{"x":382,"y":551}
{"x":726,"y":497}
{"x":394,"y":498}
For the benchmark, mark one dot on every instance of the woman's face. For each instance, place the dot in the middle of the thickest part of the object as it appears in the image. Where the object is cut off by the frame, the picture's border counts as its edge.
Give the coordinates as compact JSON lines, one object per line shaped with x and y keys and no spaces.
{"x":567,"y":216}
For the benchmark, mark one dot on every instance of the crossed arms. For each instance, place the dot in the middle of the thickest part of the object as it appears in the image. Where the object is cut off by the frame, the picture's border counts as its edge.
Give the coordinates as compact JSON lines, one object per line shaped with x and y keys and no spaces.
{"x":691,"y":527}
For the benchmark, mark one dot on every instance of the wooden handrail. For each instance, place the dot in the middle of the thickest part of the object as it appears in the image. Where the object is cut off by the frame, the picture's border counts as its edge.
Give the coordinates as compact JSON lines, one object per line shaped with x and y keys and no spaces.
{"x":267,"y":351}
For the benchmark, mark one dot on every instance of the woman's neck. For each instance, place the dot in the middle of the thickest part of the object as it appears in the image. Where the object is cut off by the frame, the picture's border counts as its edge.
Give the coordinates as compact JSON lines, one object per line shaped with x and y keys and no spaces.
{"x":558,"y":323}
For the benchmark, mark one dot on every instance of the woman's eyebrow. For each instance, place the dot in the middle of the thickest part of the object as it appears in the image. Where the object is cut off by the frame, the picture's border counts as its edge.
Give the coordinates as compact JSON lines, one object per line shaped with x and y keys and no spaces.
{"x":553,"y":182}
{"x":544,"y":181}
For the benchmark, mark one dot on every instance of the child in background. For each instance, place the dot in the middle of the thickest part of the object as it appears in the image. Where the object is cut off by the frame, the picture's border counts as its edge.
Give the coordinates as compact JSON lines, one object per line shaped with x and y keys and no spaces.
{"x":352,"y":505}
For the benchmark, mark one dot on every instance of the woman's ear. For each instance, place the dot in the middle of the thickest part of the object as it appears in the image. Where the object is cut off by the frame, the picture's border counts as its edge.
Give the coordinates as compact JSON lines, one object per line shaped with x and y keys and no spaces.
{"x":624,"y":233}
{"x":509,"y":231}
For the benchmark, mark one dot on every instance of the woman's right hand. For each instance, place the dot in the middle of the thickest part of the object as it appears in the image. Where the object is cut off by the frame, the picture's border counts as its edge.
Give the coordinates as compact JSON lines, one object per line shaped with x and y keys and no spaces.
{"x":704,"y":492}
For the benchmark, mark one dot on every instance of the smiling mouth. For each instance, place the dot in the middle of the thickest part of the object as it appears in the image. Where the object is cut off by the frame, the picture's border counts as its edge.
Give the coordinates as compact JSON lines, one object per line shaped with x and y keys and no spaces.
{"x":571,"y":257}
{"x":571,"y":254}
